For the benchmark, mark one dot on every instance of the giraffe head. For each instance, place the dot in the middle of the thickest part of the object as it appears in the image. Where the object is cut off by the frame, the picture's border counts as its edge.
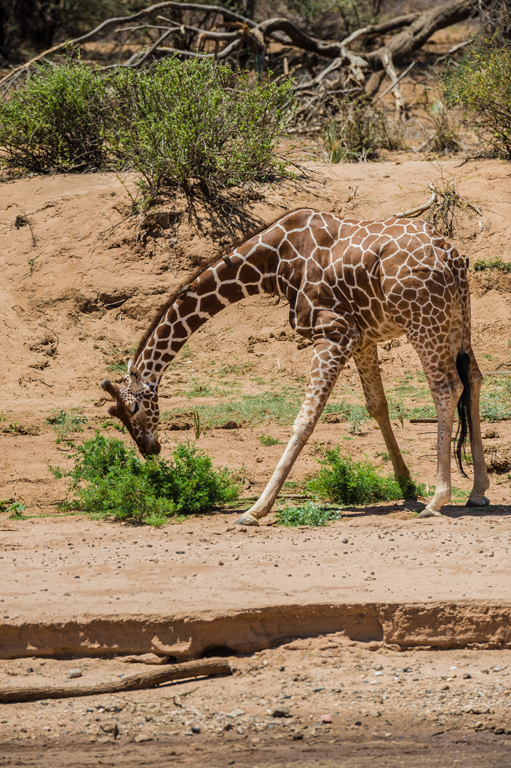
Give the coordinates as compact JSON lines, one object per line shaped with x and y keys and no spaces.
{"x":136,"y":405}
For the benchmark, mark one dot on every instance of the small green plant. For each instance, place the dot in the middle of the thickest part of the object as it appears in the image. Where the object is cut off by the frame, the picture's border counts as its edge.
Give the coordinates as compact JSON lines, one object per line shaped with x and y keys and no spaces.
{"x":201,"y":389}
{"x":445,"y":136}
{"x":64,"y":422}
{"x":496,"y":264}
{"x":359,"y":130}
{"x":186,"y":351}
{"x":13,"y":428}
{"x":31,"y":263}
{"x":345,"y":481}
{"x":354,"y":414}
{"x":196,"y":423}
{"x":111,"y":424}
{"x":268,"y":440}
{"x":16,"y":508}
{"x":310,"y":514}
{"x":109,"y":479}
{"x":235,"y":369}
{"x":481,"y":84}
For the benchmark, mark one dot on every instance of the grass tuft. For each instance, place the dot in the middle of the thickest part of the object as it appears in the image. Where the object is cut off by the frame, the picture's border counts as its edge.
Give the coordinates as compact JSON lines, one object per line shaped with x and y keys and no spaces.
{"x":310,"y":514}
{"x":268,"y":440}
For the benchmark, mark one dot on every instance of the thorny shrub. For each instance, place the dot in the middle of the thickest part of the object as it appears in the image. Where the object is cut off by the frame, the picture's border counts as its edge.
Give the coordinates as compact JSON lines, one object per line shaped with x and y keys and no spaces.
{"x":481,"y":84}
{"x":194,"y":122}
{"x":345,"y":481}
{"x":192,"y":125}
{"x":55,"y":121}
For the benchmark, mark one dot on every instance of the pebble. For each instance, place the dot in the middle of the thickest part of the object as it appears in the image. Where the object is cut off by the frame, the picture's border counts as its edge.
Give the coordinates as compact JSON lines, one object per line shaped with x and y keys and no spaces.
{"x":74,"y":673}
{"x":195,"y":729}
{"x":326,"y":718}
{"x":140,"y":737}
{"x":466,"y":676}
{"x":279,"y":712}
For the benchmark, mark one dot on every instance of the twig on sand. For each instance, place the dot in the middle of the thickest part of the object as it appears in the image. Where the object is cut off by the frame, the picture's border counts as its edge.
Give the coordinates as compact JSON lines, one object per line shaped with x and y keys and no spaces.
{"x":419,"y":208}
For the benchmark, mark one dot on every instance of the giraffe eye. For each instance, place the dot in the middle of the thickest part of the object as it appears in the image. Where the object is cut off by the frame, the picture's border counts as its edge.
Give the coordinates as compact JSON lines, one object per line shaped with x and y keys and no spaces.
{"x":134,"y":410}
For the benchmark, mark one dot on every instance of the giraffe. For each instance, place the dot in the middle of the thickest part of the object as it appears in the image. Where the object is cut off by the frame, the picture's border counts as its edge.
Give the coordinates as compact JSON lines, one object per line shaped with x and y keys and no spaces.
{"x":350,"y":284}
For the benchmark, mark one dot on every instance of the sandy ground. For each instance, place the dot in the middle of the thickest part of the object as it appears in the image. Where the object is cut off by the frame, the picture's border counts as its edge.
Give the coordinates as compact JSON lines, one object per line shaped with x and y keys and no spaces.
{"x":78,"y":287}
{"x":395,"y":709}
{"x":74,"y":578}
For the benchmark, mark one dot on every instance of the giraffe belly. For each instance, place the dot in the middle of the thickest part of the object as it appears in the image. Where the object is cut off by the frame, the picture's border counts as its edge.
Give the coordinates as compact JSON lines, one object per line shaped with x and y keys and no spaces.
{"x":385,"y":332}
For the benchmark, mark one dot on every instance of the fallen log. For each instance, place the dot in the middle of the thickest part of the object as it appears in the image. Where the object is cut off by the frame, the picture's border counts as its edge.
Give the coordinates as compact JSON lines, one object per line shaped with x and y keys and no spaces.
{"x":199,"y":668}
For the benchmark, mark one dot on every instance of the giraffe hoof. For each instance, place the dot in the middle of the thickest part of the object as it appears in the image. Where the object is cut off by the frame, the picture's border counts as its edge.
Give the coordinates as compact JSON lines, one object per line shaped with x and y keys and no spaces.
{"x":428,"y":513}
{"x":483,"y":503}
{"x":246,"y":519}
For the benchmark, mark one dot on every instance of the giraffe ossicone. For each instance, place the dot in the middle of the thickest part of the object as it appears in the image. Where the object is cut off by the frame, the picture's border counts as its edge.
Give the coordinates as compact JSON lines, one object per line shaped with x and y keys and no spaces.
{"x":350,"y":285}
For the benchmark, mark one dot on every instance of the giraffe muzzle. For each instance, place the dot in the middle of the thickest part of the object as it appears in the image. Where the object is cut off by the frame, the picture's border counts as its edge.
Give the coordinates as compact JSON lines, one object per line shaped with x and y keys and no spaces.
{"x":151,"y":448}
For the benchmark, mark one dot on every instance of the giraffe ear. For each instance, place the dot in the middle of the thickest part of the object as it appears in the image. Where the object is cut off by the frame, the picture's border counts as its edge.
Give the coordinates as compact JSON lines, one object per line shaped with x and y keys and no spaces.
{"x":135,"y":378}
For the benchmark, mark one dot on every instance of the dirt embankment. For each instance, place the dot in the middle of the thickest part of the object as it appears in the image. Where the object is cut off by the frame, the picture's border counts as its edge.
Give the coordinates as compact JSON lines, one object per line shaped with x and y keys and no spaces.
{"x":81,"y":279}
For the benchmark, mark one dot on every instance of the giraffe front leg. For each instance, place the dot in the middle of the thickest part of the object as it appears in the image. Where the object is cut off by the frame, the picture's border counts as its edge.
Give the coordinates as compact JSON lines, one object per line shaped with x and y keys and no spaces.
{"x":330,"y":355}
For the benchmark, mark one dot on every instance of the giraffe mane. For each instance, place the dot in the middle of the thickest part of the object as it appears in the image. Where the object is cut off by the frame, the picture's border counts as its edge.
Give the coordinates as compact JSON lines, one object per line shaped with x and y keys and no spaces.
{"x":161,"y":311}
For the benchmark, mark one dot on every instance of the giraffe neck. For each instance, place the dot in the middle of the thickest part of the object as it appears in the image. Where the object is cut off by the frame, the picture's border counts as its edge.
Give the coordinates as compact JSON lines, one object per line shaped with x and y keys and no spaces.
{"x":245,"y":272}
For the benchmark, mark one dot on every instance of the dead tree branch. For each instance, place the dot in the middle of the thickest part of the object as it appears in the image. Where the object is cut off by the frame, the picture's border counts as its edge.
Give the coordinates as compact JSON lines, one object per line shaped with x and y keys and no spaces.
{"x":200,"y":668}
{"x":215,"y":32}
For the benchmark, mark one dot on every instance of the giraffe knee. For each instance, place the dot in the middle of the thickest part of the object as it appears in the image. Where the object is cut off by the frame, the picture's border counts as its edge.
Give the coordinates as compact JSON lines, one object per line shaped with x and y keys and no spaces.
{"x":378,"y":409}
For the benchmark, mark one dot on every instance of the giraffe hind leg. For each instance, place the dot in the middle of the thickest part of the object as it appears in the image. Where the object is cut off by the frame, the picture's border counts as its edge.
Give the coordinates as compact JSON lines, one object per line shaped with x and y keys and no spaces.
{"x":366,"y":360}
{"x":477,"y":496}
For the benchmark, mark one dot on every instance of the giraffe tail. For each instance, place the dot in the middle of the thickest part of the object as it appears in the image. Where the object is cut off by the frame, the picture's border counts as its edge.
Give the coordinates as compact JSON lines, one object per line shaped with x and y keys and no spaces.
{"x":463,"y":361}
{"x":465,"y":420}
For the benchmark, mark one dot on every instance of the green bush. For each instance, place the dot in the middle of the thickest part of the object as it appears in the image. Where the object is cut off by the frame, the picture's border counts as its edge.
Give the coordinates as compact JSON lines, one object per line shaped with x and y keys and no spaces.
{"x":179,"y":124}
{"x":345,"y":481}
{"x":481,"y":84}
{"x":182,"y":123}
{"x":109,"y":479}
{"x":54,"y":122}
{"x":311,"y":514}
